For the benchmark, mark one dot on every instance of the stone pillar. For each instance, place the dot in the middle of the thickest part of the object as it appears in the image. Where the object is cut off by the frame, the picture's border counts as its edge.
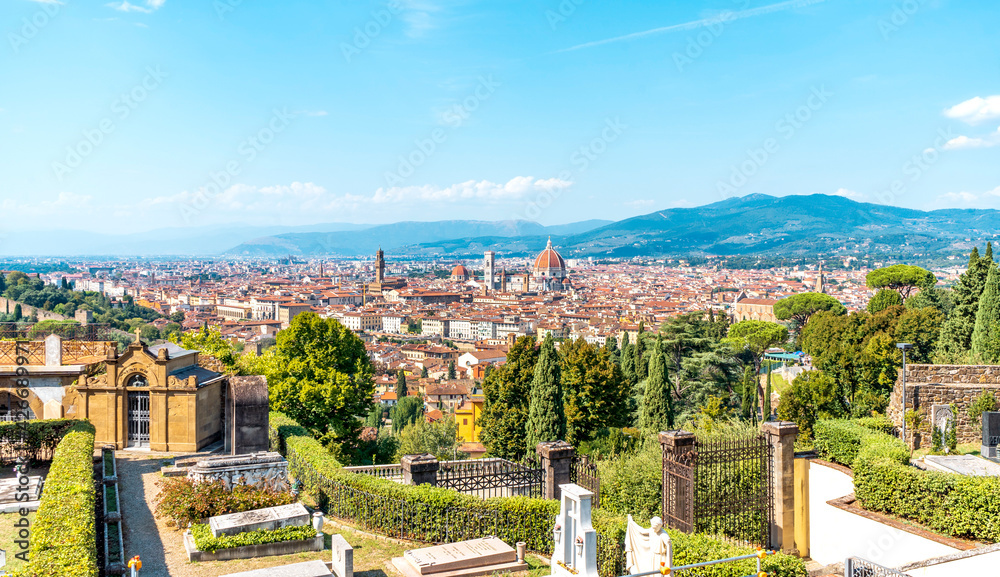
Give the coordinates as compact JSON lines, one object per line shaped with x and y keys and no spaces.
{"x":420,"y":469}
{"x":557,"y":458}
{"x":677,"y":493}
{"x":781,"y":435}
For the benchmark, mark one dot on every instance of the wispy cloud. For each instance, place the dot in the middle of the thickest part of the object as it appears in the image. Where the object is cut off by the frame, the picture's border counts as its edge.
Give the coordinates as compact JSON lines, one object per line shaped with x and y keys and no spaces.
{"x":975,"y":110}
{"x":965,"y":199}
{"x":962,"y":142}
{"x":126,"y":6}
{"x":851,"y":194}
{"x":725,"y":16}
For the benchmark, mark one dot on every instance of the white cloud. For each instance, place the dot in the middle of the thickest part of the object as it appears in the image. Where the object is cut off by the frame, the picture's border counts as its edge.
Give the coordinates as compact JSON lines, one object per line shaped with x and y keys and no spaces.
{"x":640,"y":203}
{"x":851,"y":194}
{"x":965,"y":199}
{"x":724,"y":16}
{"x":517,"y":188}
{"x":960,"y":142}
{"x":975,"y":110}
{"x":126,"y":6}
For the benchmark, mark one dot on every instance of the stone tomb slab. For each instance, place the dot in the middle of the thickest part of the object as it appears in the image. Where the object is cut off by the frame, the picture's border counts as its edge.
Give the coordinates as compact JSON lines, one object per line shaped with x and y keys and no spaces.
{"x":342,"y":557}
{"x":463,"y":559}
{"x":8,"y":489}
{"x":307,"y":569}
{"x":969,"y":465}
{"x":294,"y":515}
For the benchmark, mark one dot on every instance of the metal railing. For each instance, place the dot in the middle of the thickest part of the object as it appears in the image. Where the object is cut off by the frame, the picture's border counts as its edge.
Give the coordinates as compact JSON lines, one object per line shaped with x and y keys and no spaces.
{"x":492,"y":477}
{"x":683,"y":570}
{"x":858,"y":567}
{"x":393,"y":472}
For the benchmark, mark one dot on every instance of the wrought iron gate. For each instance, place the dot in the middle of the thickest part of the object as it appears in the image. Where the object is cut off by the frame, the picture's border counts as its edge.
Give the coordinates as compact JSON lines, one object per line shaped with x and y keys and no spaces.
{"x":138,"y":419}
{"x":493,"y":477}
{"x":585,"y":474}
{"x":722,"y":487}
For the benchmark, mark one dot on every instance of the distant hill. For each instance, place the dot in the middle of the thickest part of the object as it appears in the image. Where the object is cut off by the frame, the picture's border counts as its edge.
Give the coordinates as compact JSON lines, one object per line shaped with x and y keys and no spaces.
{"x":760,"y":224}
{"x":392,"y":237}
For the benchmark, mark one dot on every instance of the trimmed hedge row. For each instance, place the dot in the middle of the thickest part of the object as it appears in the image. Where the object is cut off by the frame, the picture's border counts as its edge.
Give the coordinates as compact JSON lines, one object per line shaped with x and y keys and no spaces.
{"x":955,"y":505}
{"x":204,"y":540}
{"x":432,"y":514}
{"x":64,"y":537}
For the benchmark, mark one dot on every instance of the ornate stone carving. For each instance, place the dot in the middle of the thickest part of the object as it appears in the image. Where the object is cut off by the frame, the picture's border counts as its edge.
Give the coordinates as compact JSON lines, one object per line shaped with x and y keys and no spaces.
{"x":265,"y":469}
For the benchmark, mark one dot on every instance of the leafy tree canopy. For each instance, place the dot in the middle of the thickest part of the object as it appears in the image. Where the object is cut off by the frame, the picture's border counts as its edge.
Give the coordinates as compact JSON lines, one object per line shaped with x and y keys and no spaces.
{"x":902,"y":278}
{"x":802,"y":306}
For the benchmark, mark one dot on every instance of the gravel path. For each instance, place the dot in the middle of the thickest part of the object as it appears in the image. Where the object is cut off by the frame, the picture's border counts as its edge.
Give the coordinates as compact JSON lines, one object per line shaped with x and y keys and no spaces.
{"x":160,"y":547}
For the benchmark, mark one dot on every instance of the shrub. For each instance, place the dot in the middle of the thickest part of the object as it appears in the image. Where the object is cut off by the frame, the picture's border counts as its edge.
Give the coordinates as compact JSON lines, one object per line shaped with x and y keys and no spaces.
{"x":951,"y":504}
{"x":442,"y":515}
{"x":633,"y":483}
{"x":986,"y":401}
{"x":37,"y":438}
{"x":63,"y":539}
{"x":185,"y":501}
{"x":204,"y":540}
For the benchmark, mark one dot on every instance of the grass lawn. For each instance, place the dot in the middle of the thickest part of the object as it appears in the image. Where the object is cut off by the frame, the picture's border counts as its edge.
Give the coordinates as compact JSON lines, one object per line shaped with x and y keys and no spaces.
{"x":961,"y":449}
{"x":8,"y":533}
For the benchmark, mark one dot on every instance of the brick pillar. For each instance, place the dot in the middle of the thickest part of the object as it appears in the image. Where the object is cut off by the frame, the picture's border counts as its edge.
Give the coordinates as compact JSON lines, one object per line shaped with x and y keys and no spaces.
{"x":420,"y":469}
{"x":678,"y":492}
{"x":557,"y":458}
{"x":781,"y":435}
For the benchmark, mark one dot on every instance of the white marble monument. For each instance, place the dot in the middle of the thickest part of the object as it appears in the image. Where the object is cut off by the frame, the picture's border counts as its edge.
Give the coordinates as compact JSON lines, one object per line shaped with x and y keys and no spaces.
{"x":647,"y":549}
{"x":575,"y":553}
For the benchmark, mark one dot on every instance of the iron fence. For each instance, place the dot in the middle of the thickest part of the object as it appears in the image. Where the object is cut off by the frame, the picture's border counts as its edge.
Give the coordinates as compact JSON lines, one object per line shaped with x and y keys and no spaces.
{"x":585,"y":474}
{"x":493,"y":477}
{"x":858,"y":567}
{"x":722,"y":488}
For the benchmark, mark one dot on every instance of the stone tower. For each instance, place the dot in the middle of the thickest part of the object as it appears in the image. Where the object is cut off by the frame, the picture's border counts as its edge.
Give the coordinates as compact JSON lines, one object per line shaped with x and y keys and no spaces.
{"x":379,"y":266}
{"x":489,"y":270}
{"x":819,"y":279}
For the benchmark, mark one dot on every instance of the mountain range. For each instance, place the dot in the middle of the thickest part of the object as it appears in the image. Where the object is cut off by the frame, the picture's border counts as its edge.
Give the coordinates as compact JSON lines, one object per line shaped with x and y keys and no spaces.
{"x":796,"y":225}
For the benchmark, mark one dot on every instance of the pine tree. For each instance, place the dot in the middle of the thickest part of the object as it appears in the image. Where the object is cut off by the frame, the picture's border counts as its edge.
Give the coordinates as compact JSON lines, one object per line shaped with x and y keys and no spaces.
{"x":987,"y":325}
{"x":546,"y":417}
{"x":401,"y":390}
{"x":956,"y":334}
{"x":657,"y":405}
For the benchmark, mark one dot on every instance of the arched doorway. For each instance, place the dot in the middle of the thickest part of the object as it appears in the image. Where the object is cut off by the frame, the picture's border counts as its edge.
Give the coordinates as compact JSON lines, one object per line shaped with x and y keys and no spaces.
{"x":138,"y":412}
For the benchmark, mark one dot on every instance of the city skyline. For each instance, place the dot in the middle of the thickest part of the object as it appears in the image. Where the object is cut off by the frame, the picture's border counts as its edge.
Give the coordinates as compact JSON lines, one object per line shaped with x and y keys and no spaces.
{"x":128,"y":117}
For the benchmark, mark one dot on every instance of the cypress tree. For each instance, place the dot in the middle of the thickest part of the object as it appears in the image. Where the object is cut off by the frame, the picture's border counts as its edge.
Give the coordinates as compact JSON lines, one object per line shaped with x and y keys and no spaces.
{"x":611,"y":345}
{"x":628,"y":363}
{"x":546,"y":415}
{"x":17,"y":312}
{"x":423,"y":372}
{"x":987,"y":325}
{"x":640,"y":358}
{"x":452,"y":375}
{"x":956,"y":334}
{"x":657,"y":406}
{"x":401,"y":390}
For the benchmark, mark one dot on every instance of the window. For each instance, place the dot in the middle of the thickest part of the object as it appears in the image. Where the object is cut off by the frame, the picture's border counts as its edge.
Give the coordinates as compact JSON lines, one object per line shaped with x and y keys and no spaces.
{"x":138,"y":380}
{"x":465,"y":421}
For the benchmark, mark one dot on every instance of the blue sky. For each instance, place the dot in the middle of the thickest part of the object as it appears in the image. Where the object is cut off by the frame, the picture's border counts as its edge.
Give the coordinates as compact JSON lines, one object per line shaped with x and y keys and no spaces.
{"x":142,"y":114}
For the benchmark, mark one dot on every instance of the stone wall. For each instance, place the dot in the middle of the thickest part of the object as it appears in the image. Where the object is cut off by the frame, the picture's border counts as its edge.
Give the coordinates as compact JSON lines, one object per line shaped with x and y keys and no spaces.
{"x":929,"y":385}
{"x":7,"y":306}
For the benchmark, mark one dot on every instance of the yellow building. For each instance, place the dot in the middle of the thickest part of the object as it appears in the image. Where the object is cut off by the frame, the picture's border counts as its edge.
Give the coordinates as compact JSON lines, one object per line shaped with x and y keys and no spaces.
{"x":466,"y":416}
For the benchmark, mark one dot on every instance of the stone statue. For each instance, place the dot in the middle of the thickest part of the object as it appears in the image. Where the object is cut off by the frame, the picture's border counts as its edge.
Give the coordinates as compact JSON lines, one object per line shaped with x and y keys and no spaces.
{"x":647,"y":549}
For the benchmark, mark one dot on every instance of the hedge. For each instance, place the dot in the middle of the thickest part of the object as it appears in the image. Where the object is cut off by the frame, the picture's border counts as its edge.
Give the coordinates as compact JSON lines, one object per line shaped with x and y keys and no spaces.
{"x":431,"y":514}
{"x":63,"y":536}
{"x":204,"y":540}
{"x":35,"y":439}
{"x":951,"y":504}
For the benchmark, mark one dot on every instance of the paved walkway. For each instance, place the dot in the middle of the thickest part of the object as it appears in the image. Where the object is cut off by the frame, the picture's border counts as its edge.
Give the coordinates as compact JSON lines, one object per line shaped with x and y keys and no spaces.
{"x":836,"y":534}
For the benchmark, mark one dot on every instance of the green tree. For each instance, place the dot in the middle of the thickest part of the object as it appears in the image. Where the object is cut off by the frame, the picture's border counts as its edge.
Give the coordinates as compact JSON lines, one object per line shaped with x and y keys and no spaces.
{"x":956,"y":334}
{"x":679,"y":338}
{"x":177,"y":317}
{"x":439,"y":438}
{"x":423,"y":372}
{"x":374,"y":418}
{"x":813,"y":395}
{"x":506,"y":392}
{"x":321,"y":376}
{"x":401,"y":390}
{"x":640,"y":360}
{"x":451,"y":371}
{"x":902,"y":278}
{"x":987,"y":327}
{"x":985,"y":402}
{"x":657,"y":404}
{"x":921,"y":328}
{"x":798,"y":308}
{"x":208,"y":341}
{"x":18,"y":315}
{"x":407,"y":411}
{"x":755,"y":337}
{"x":628,"y":362}
{"x":884,"y":299}
{"x":546,"y":417}
{"x":595,"y":393}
